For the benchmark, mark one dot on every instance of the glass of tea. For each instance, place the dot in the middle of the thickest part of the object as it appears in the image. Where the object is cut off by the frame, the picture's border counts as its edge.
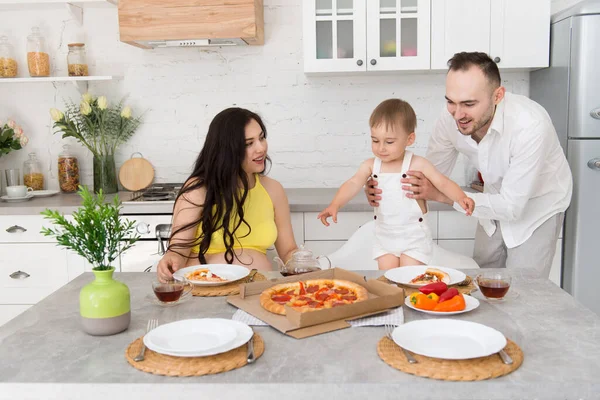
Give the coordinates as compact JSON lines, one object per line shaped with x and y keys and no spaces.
{"x":494,"y":283}
{"x":171,"y":292}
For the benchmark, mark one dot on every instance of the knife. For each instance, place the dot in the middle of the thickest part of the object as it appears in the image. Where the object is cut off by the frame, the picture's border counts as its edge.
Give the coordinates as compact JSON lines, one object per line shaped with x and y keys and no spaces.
{"x":506,"y":359}
{"x":250,"y":358}
{"x":251,"y":275}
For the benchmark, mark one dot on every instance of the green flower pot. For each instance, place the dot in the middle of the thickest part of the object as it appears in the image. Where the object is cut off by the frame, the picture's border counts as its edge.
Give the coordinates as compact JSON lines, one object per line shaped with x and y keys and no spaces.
{"x":104,"y":305}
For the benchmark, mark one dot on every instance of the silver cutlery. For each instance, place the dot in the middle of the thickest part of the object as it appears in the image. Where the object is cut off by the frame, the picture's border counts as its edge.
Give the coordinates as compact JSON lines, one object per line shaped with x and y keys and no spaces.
{"x":152,"y":323}
{"x":251,"y":357}
{"x":506,"y":359}
{"x":252,"y":275}
{"x":388,"y":332}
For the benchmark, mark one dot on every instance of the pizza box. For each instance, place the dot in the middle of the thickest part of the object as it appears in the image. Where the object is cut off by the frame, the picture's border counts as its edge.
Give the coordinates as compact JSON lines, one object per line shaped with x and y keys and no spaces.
{"x":382,"y":297}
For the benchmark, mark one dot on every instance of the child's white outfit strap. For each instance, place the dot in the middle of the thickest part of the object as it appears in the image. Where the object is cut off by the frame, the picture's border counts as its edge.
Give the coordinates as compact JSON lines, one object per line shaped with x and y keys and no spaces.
{"x":400,"y":225}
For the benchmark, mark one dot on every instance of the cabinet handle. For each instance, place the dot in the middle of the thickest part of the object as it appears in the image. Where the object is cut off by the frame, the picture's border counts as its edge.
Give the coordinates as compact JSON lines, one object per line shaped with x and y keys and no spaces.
{"x":373,"y":61}
{"x":594,"y":163}
{"x":496,"y":60}
{"x":142,"y":228}
{"x":595,"y":113}
{"x":359,"y":62}
{"x":16,"y":229}
{"x":19,"y":275}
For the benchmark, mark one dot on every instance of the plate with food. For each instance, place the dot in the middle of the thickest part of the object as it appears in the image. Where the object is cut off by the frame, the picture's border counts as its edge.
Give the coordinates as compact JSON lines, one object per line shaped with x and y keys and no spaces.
{"x":421,"y":275}
{"x":211,"y":274}
{"x":448,"y":303}
{"x":312,"y":295}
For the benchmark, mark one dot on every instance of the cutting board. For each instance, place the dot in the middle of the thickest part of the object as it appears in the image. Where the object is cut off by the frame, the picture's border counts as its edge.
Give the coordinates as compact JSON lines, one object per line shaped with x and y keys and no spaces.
{"x":136,"y":173}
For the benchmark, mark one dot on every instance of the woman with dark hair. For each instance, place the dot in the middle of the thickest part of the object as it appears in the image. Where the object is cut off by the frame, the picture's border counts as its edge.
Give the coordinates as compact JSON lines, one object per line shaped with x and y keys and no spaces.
{"x":228,"y":211}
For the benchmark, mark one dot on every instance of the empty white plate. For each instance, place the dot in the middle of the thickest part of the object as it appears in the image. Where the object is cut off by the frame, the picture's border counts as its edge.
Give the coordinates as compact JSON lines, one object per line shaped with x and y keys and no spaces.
{"x":225,"y":271}
{"x":471,"y":303}
{"x":44,"y":193}
{"x":243,"y":333}
{"x":29,"y":196}
{"x":449,"y":339}
{"x":404,"y":275}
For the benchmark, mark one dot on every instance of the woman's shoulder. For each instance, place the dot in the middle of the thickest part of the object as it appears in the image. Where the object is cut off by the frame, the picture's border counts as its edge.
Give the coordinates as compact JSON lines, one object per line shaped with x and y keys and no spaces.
{"x":273,"y":188}
{"x":193,"y":191}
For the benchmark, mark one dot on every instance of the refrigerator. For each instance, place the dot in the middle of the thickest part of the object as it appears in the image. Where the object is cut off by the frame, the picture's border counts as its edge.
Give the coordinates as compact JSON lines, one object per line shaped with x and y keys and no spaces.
{"x":570,"y":91}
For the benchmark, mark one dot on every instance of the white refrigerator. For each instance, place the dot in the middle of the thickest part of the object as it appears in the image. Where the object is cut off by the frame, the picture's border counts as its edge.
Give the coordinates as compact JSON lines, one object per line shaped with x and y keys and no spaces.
{"x":570,"y":91}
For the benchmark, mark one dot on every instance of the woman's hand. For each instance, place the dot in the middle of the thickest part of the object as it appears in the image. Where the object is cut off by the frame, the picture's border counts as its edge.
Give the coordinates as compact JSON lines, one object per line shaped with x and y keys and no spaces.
{"x":170,"y":263}
{"x":467,"y":204}
{"x":330,"y":211}
{"x":372,"y":192}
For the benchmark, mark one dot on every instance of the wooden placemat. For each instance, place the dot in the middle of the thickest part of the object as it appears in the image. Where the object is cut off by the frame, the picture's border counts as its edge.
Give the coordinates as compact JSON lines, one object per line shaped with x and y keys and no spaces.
{"x":474,"y":369}
{"x":465,"y":287}
{"x":161,"y":364}
{"x":225,"y":290}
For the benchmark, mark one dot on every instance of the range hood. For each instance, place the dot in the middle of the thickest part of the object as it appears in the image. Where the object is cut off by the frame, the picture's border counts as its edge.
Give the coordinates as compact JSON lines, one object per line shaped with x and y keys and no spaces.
{"x":191,"y":23}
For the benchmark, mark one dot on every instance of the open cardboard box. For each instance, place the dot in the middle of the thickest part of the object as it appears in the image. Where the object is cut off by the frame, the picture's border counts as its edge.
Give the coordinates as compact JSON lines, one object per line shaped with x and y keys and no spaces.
{"x":382,"y":297}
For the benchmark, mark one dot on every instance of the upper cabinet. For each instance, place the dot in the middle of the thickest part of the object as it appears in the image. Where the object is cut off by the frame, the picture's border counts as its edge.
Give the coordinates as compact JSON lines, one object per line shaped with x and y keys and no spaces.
{"x":515,"y":33}
{"x":361,"y":35}
{"x":396,"y":35}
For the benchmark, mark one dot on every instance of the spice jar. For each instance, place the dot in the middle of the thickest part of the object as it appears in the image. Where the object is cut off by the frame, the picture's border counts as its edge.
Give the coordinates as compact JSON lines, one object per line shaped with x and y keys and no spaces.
{"x":38,"y":59}
{"x":8,"y":64}
{"x":32,"y":173}
{"x":76,"y":60}
{"x":68,"y":171}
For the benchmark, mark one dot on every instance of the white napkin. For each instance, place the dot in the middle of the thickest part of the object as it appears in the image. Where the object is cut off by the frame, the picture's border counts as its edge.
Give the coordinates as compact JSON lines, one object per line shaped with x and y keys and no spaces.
{"x":393,"y":317}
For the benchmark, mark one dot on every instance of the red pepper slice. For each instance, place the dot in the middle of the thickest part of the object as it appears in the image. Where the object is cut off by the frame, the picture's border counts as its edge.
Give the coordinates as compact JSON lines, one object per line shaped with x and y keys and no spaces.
{"x":448,"y":294}
{"x":436,"y":287}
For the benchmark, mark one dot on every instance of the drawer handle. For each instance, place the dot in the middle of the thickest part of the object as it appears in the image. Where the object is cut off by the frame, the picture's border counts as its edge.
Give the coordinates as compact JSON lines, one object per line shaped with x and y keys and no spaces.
{"x":16,"y":229}
{"x":20,"y":275}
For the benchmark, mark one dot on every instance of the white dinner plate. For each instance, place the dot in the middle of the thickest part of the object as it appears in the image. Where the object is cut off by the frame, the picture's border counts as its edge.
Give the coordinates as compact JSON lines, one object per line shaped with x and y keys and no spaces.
{"x":44,"y":193}
{"x":225,"y":271}
{"x":404,"y":275}
{"x":29,"y":196}
{"x":243,"y":333}
{"x":449,"y":339}
{"x":471,"y":303}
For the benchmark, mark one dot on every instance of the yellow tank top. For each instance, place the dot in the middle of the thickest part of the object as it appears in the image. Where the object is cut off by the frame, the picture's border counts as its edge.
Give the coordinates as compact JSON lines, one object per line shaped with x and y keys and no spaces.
{"x":259,"y":213}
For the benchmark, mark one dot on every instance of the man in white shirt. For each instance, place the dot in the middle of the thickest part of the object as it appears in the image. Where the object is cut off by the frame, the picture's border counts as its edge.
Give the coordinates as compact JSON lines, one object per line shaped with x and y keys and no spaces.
{"x":511,"y":141}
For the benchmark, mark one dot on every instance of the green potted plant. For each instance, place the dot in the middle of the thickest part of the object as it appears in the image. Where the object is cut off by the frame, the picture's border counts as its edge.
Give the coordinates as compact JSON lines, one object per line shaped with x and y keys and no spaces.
{"x":97,"y":234}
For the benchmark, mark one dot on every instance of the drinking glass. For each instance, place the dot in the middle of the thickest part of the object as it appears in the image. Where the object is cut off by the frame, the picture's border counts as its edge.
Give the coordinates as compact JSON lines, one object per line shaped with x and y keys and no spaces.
{"x":171,"y":292}
{"x":494,"y":284}
{"x":13,"y":178}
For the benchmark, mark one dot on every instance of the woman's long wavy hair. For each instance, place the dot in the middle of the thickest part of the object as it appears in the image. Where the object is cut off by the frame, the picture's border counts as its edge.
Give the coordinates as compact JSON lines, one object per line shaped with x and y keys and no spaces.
{"x":219,"y":169}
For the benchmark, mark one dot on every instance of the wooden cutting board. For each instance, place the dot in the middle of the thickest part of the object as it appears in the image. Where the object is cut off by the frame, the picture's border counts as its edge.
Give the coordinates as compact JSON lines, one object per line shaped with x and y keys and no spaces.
{"x":136,"y":173}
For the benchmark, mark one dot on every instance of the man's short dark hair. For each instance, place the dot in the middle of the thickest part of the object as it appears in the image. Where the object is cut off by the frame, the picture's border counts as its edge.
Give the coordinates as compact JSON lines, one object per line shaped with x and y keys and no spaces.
{"x":463,"y":61}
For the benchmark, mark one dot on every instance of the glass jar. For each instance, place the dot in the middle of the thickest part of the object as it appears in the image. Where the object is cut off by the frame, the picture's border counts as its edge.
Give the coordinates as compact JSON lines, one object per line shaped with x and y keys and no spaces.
{"x":32,"y":173}
{"x":8,"y":63}
{"x":68,"y":171}
{"x":38,"y":59}
{"x":76,"y":60}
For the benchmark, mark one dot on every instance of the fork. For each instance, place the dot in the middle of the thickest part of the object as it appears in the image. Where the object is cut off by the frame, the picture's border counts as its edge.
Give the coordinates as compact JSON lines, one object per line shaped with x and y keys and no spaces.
{"x":251,"y":357}
{"x":152,"y":323}
{"x":388,"y":332}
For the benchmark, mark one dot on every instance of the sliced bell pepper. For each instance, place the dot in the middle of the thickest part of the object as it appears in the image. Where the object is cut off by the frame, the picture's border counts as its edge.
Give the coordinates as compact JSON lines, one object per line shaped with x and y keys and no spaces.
{"x":457,"y":303}
{"x":448,"y":294}
{"x":422,"y":302}
{"x":436,"y":287}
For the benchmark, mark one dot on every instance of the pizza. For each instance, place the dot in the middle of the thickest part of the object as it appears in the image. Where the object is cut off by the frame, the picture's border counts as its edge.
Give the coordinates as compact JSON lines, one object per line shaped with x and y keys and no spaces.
{"x":312,"y":295}
{"x":431,"y":275}
{"x":204,"y":275}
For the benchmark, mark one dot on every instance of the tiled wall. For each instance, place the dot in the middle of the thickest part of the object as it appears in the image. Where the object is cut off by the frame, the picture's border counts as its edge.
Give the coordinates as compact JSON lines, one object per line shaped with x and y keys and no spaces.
{"x":318,"y":131}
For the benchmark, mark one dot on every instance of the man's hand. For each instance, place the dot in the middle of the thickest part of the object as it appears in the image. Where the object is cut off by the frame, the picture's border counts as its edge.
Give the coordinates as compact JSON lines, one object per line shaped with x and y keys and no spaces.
{"x":170,"y":263}
{"x":420,"y":188}
{"x":372,"y":192}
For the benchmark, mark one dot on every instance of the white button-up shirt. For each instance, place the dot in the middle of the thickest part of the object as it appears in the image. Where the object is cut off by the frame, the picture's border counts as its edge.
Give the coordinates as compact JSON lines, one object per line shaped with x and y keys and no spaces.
{"x":527,"y":177}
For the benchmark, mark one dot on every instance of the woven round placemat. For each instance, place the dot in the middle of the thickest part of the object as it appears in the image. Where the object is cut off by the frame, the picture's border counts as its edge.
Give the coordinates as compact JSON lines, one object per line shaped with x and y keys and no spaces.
{"x":465,"y":287}
{"x":474,"y":369}
{"x":224,"y":290}
{"x":161,"y":364}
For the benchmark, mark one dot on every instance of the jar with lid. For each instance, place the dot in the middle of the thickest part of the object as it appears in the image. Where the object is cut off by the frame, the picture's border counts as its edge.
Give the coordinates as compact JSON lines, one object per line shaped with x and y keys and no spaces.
{"x":68,"y":171}
{"x":32,"y":173}
{"x":8,"y":63}
{"x":76,"y":60}
{"x":38,"y":59}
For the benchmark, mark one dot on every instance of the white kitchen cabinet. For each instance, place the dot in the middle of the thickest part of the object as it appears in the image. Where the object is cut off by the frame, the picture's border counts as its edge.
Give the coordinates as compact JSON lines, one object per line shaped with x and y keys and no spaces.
{"x":348,"y":223}
{"x":462,"y":246}
{"x":456,"y":225}
{"x":361,"y":35}
{"x":515,"y":33}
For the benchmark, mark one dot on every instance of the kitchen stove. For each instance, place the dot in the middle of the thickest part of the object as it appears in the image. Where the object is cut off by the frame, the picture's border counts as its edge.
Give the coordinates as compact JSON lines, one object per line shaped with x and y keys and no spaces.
{"x":158,"y":192}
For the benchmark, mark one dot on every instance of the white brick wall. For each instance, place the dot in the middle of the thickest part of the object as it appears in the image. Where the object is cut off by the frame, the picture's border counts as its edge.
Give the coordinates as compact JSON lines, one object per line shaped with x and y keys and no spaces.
{"x":318,"y":126}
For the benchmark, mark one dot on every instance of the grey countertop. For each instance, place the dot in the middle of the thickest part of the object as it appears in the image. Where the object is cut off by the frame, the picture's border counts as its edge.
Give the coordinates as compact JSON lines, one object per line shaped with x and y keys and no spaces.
{"x":45,"y":345}
{"x":300,"y":199}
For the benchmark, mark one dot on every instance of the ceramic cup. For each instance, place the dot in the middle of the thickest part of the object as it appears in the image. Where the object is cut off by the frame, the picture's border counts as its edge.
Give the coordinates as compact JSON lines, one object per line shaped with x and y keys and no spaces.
{"x":18,"y":191}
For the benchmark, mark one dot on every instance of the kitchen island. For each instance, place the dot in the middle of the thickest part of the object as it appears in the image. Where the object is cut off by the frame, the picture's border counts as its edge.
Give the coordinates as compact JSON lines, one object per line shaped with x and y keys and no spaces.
{"x":44,"y":353}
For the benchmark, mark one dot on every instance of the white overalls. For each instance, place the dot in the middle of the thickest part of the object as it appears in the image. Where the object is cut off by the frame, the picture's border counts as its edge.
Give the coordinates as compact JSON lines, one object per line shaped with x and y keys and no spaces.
{"x":400,"y":225}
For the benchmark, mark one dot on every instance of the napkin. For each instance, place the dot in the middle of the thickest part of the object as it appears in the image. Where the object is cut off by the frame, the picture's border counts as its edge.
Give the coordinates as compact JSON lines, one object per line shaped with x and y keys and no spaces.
{"x":391,"y":317}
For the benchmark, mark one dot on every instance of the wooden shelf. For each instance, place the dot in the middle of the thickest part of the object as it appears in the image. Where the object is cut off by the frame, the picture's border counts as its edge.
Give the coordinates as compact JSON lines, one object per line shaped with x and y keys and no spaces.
{"x":81,"y":82}
{"x":29,"y":4}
